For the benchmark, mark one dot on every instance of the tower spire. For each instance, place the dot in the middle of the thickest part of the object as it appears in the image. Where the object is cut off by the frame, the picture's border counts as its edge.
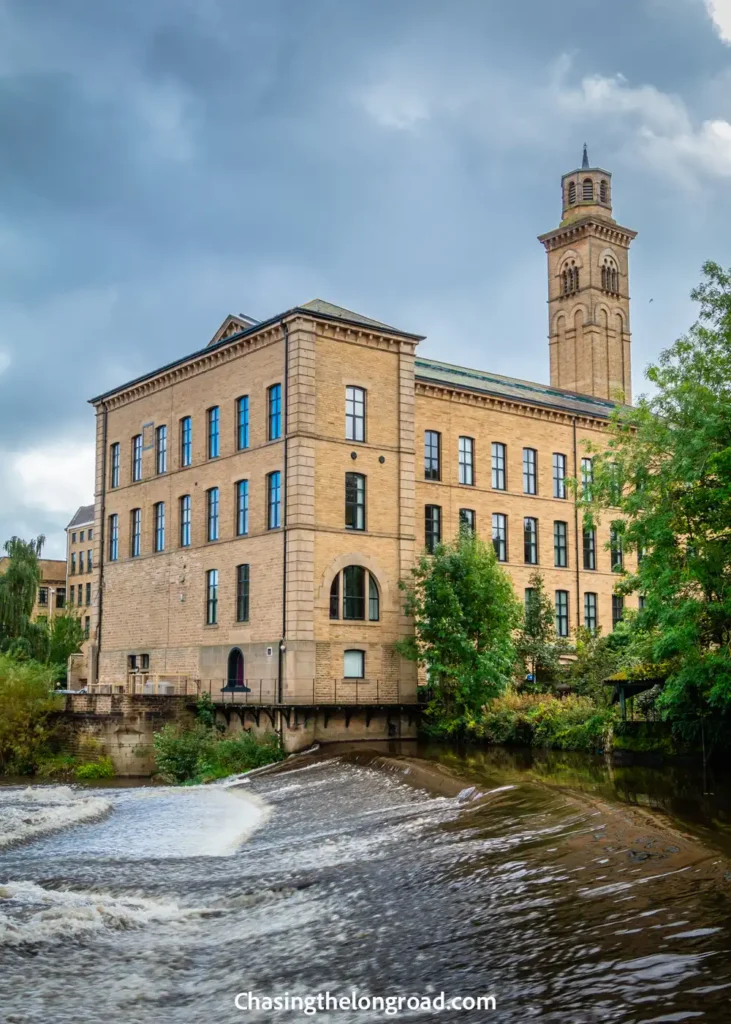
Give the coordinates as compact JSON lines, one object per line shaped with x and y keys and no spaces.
{"x":585,"y":159}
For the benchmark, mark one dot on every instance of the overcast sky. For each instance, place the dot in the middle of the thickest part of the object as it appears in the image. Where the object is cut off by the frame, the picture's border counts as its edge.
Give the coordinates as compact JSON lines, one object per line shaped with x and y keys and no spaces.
{"x":166,"y":162}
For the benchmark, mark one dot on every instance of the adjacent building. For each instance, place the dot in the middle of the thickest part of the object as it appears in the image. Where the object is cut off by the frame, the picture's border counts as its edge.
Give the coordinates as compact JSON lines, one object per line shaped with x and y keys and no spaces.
{"x":80,"y":586}
{"x":258,"y":501}
{"x":51,"y":593}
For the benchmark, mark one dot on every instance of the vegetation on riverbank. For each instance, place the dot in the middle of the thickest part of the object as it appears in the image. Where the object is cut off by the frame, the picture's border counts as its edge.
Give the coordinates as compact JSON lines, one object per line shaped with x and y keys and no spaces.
{"x":196,"y":753}
{"x":663,"y":480}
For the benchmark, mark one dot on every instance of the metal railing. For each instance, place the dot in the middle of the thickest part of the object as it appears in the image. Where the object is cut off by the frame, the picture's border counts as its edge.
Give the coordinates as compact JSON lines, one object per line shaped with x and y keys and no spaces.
{"x":306,"y":692}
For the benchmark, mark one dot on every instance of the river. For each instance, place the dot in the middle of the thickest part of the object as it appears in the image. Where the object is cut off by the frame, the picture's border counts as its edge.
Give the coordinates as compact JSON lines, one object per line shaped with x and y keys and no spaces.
{"x":563,"y":890}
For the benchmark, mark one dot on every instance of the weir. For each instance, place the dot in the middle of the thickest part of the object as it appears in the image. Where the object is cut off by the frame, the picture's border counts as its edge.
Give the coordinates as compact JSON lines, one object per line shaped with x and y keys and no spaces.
{"x":123,"y":724}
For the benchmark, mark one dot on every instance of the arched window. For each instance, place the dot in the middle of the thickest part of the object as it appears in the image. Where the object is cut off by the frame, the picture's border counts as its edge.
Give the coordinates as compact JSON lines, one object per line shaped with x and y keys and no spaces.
{"x":570,"y":278}
{"x":588,"y":190}
{"x":360,"y":595}
{"x":603,"y":192}
{"x":235,"y":675}
{"x":610,"y":275}
{"x":572,"y":193}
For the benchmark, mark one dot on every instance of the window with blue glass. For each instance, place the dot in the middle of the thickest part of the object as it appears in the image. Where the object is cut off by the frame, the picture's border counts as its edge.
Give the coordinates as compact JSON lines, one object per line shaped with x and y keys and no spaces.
{"x":242,"y":422}
{"x":274,"y":500}
{"x":159,"y":536}
{"x":135,"y":532}
{"x":242,"y":508}
{"x":186,"y":441}
{"x":136,"y":458}
{"x":212,"y":510}
{"x":185,"y":516}
{"x":275,"y":412}
{"x":213,"y":433}
{"x":113,"y":538}
{"x":161,"y":449}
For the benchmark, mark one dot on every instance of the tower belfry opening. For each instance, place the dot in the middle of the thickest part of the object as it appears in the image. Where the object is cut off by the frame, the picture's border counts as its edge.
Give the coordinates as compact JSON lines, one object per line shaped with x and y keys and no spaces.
{"x":588,"y":289}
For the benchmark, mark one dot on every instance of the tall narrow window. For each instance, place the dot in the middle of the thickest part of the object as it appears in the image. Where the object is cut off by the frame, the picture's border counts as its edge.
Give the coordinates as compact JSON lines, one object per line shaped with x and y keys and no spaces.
{"x":274,"y":500}
{"x":274,"y":401}
{"x":603,"y":191}
{"x":136,"y":458}
{"x":89,"y":565}
{"x":212,"y":513}
{"x":354,"y":592}
{"x":159,"y":536}
{"x":615,"y":549}
{"x":355,"y":499}
{"x":214,"y":438}
{"x":572,"y":192}
{"x":432,"y":527}
{"x":212,"y":597}
{"x":432,"y":455}
{"x":186,"y":441}
{"x":467,"y":519}
{"x":373,"y":599}
{"x":135,"y":532}
{"x":590,"y":615}
{"x":355,"y":413}
{"x":242,"y":422}
{"x":559,"y":475}
{"x":242,"y":593}
{"x":617,"y":609}
{"x":185,"y":521}
{"x":79,"y":593}
{"x":113,"y":537}
{"x":589,"y":549}
{"x":500,"y":536}
{"x":242,"y":508}
{"x":560,"y":544}
{"x":81,"y":561}
{"x":530,"y":478}
{"x":530,"y":541}
{"x":562,"y":612}
{"x":73,"y":563}
{"x":466,"y":460}
{"x":87,"y":627}
{"x":587,"y":190}
{"x":114,"y":465}
{"x":161,"y":449}
{"x":87,"y":595}
{"x":335,"y":597}
{"x":587,"y":478}
{"x":499,"y":453}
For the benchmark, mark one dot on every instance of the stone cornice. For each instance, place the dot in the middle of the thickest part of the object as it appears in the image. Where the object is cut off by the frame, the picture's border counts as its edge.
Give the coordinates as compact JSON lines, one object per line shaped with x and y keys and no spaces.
{"x":509,"y":405}
{"x":609,"y":232}
{"x":199,"y":363}
{"x":207,"y":359}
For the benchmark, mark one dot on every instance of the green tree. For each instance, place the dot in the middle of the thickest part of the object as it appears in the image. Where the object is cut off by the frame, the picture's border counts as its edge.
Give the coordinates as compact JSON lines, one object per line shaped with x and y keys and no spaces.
{"x":464,"y":611}
{"x":66,"y":635}
{"x":25,"y":702}
{"x":667,"y":472}
{"x":18,"y":588}
{"x":537,"y":646}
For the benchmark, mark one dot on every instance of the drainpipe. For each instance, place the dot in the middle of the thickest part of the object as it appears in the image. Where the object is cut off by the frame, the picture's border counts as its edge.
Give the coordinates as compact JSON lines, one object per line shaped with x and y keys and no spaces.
{"x":102,"y":542}
{"x":576,"y":529}
{"x":285,"y":402}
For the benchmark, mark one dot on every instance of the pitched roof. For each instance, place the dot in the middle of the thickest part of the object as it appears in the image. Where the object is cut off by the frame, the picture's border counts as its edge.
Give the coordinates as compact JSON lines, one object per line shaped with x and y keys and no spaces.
{"x":83,"y":515}
{"x":340,"y":313}
{"x":317,"y":307}
{"x":433,"y":372}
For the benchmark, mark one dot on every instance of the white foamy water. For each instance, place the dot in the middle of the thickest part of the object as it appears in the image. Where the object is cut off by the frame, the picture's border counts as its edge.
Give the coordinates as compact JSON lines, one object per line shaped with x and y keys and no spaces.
{"x":27,"y":814}
{"x":31,"y":914}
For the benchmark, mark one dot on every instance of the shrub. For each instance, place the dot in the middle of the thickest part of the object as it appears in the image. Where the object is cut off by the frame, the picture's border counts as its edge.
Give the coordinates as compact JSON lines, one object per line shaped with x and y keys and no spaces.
{"x":102,"y":768}
{"x":197,"y":754}
{"x":25,"y":703}
{"x":542,"y":720}
{"x":241,"y":754}
{"x":56,"y":766}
